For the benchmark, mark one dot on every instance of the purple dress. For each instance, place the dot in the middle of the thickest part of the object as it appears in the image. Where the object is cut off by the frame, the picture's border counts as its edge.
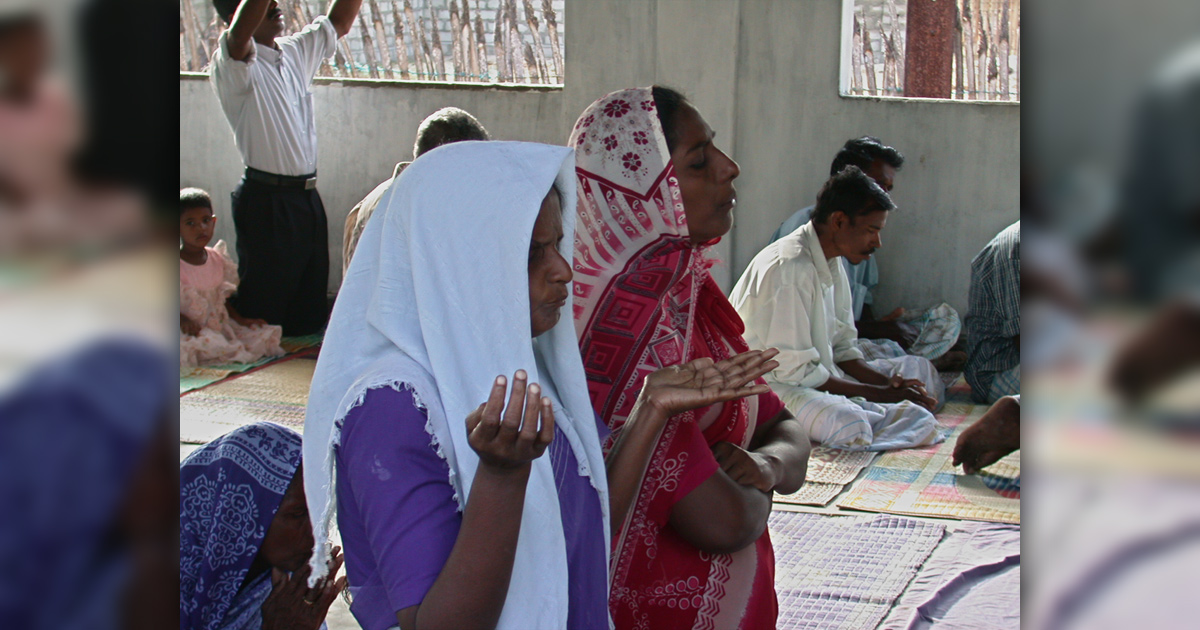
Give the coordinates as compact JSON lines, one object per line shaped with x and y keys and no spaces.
{"x":399,"y":521}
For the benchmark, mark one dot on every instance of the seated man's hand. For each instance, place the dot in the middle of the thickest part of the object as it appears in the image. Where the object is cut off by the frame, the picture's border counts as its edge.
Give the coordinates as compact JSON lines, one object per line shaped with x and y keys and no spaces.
{"x":746,"y":467}
{"x":993,"y":436}
{"x":900,"y":389}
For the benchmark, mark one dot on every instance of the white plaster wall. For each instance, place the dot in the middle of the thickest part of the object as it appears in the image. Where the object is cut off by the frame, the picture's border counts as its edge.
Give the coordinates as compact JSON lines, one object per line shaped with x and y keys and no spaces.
{"x":764,"y":74}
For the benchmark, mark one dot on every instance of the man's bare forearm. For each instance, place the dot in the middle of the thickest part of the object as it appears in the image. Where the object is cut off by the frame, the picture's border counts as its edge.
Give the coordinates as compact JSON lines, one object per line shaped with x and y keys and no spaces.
{"x":342,"y":14}
{"x":246,"y":20}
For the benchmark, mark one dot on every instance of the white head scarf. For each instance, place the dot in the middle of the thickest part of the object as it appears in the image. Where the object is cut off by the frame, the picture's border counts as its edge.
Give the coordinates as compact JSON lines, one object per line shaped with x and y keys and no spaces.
{"x":436,"y":299}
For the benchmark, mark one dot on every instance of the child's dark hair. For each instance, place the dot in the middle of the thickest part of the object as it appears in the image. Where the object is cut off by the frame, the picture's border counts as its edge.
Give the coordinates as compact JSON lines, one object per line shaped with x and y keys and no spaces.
{"x":193,"y":198}
{"x":852,"y":193}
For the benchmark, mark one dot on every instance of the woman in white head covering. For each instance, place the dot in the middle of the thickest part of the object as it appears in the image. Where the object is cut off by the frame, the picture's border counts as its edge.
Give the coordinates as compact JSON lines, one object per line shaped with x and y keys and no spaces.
{"x":449,"y":514}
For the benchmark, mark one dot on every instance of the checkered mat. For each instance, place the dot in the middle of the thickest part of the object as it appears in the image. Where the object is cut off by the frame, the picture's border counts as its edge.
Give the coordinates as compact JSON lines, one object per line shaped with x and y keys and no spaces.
{"x":845,"y":571}
{"x":922,"y":482}
{"x":829,"y":470}
{"x":192,"y":378}
{"x":276,"y":393}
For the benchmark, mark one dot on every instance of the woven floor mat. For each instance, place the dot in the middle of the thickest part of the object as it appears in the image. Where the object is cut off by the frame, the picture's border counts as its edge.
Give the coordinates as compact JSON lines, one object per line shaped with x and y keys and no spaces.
{"x":193,"y":378}
{"x":922,"y":482}
{"x":829,"y":470}
{"x":276,"y":393}
{"x":845,"y":571}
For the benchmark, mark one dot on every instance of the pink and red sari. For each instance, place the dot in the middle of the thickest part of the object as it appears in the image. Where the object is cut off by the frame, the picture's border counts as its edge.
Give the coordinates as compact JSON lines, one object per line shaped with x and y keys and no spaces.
{"x":644,"y":299}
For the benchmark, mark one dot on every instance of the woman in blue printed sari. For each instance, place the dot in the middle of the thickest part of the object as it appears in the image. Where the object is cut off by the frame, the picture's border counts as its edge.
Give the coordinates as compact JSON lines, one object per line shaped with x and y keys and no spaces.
{"x":243,"y":527}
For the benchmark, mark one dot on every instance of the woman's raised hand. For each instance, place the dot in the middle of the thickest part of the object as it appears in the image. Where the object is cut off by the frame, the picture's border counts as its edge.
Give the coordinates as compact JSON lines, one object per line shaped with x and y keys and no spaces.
{"x":703,"y":382}
{"x":509,"y":437}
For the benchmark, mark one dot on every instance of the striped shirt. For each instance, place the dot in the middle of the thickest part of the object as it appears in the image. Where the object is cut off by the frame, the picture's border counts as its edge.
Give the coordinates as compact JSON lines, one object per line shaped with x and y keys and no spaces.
{"x":994,"y":311}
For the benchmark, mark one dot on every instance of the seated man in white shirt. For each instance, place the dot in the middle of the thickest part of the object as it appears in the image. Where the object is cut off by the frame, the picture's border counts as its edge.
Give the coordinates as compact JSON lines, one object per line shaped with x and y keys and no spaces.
{"x":927,"y":332}
{"x":795,"y":296}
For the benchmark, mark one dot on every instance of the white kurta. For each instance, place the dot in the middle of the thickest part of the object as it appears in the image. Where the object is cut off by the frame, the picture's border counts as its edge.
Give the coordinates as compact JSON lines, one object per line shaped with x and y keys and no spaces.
{"x":268,"y":98}
{"x":793,"y":298}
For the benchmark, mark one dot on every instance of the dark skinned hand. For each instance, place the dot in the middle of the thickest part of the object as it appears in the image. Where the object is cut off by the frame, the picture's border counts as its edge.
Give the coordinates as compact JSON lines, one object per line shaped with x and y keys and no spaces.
{"x":745,"y":467}
{"x":890,"y":327}
{"x":899,"y":389}
{"x":508,"y":437}
{"x":188,"y":326}
{"x":293,"y":606}
{"x":703,"y":382}
{"x":996,"y":434}
{"x":251,"y":322}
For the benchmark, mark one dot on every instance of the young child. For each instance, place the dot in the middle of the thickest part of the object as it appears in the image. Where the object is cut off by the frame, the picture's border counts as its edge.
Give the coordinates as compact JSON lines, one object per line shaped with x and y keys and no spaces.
{"x":211,"y":330}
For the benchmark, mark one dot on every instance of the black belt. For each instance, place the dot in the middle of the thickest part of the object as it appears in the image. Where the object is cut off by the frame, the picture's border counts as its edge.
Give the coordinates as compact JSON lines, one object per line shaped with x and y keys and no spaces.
{"x":307,"y":182}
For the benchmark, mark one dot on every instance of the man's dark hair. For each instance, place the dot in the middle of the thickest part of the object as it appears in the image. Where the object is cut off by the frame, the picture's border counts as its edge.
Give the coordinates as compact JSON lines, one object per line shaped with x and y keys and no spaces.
{"x":667,"y":102}
{"x":447,"y":125}
{"x":862,"y":152}
{"x":226,"y":9}
{"x":852,"y":193}
{"x":193,"y":198}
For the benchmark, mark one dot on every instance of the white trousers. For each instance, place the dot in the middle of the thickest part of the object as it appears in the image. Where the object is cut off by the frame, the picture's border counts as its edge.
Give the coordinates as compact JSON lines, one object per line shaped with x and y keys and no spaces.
{"x":858,"y":424}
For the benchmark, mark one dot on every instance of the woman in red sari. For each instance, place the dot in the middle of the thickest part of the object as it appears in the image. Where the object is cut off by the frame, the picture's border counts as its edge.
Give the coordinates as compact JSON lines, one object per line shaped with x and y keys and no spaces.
{"x":655,"y":194}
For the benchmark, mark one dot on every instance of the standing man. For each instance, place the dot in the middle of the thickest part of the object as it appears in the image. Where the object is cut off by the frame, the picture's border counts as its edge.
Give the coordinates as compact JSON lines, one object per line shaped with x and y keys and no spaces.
{"x":925,"y":332}
{"x":264,"y":84}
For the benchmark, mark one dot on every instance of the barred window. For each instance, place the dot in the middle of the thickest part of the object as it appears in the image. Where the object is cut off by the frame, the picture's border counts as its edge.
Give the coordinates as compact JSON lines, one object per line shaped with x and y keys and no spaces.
{"x":966,"y":50}
{"x":479,"y":41}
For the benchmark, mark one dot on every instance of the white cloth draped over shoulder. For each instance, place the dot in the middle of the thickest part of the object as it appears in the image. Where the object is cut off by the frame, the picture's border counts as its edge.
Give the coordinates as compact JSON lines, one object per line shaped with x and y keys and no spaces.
{"x":436,"y":299}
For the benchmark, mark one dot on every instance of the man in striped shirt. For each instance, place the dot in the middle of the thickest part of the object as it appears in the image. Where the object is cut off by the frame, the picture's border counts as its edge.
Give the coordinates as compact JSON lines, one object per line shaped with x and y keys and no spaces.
{"x":993,"y":322}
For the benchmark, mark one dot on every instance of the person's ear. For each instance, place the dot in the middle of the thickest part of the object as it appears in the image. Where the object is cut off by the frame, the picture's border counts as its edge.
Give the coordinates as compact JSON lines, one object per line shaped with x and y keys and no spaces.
{"x":838,"y":220}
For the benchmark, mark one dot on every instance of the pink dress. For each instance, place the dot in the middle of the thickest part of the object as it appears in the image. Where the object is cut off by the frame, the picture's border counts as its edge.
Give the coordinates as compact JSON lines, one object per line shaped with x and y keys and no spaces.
{"x":203,"y":290}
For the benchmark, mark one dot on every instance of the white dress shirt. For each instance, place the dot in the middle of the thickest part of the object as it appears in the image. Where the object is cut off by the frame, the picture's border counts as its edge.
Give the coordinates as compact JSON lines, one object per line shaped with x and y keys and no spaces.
{"x":268,"y":98}
{"x":793,"y":298}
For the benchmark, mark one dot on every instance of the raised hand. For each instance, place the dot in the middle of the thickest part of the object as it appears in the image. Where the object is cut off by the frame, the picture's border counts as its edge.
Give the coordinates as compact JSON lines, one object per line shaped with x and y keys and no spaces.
{"x":509,"y":437}
{"x":702,"y":382}
{"x":746,"y":467}
{"x":293,"y":606}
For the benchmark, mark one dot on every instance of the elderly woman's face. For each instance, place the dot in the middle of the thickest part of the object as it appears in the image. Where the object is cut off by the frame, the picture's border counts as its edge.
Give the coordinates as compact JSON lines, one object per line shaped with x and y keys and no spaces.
{"x":705,"y":177}
{"x":549,"y":272}
{"x":289,"y":541}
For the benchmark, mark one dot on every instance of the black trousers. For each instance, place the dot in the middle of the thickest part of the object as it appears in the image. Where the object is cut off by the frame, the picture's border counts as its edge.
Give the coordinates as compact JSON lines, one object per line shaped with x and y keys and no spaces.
{"x":283,"y":256}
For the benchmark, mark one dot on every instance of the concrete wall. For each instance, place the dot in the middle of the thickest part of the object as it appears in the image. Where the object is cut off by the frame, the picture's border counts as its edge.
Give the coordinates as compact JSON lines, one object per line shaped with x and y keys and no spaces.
{"x":765,"y":75}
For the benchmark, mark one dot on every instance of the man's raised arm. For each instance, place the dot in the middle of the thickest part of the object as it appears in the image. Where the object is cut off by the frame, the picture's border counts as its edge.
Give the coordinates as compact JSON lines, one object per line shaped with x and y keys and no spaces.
{"x":249,"y":16}
{"x":342,"y":14}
